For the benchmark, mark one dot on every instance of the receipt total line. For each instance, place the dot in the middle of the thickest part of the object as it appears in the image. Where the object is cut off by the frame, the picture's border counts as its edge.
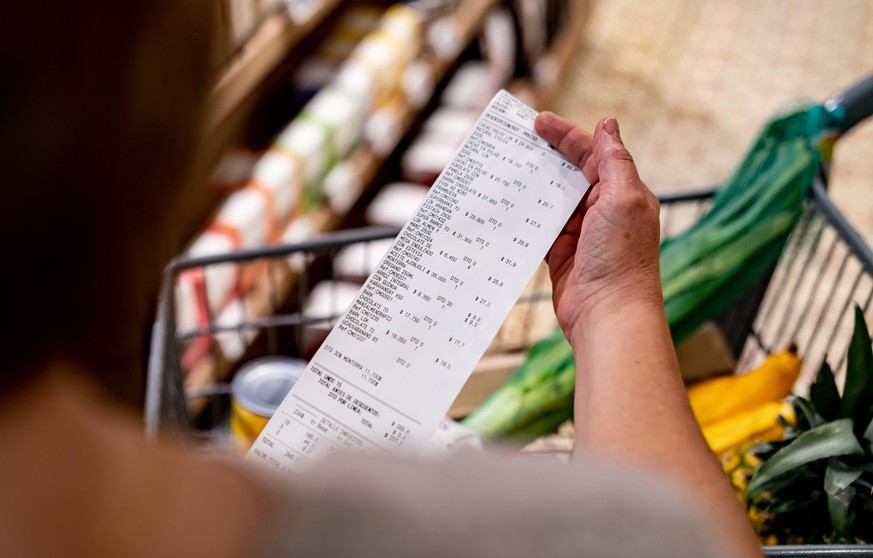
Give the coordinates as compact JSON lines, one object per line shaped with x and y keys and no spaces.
{"x":365,"y":392}
{"x":286,"y":445}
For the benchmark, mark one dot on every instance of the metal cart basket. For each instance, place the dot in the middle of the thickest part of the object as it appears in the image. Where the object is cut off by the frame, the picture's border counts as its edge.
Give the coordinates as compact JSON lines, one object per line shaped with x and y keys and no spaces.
{"x":824,"y":268}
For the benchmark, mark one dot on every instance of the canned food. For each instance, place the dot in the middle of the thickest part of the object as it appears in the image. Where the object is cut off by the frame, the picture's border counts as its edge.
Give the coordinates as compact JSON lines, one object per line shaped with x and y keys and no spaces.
{"x":257,"y":389}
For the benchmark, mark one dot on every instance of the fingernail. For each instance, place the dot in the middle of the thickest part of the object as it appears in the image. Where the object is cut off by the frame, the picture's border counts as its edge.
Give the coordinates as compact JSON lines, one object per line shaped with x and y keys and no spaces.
{"x":610,"y":126}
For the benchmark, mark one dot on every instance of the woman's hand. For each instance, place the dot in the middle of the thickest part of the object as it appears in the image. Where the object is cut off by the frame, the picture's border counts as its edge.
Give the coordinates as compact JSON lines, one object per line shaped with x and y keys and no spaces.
{"x":630,"y":404}
{"x":608,"y":252}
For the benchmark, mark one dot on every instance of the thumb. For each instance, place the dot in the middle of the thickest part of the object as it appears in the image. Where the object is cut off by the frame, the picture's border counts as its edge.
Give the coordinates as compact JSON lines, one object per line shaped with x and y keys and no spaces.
{"x":614,"y":162}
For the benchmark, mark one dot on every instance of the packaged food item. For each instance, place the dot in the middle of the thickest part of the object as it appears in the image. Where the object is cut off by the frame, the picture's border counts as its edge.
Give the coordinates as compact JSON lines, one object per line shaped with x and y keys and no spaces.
{"x":426,"y":157}
{"x":472,"y":86}
{"x":499,"y":45}
{"x":324,"y":305}
{"x":418,"y":83}
{"x":257,"y":390}
{"x":386,"y":52}
{"x":326,"y":131}
{"x":203,"y":295}
{"x":342,"y":114}
{"x":357,"y":261}
{"x":343,"y":185}
{"x":357,"y":78}
{"x":248,"y":219}
{"x":234,"y":338}
{"x":395,"y":204}
{"x":384,"y":128}
{"x":207,"y":290}
{"x":379,"y":54}
{"x":281,"y":174}
{"x":444,"y":38}
{"x":241,"y":219}
{"x":450,"y":123}
{"x":403,"y":24}
{"x":307,"y":141}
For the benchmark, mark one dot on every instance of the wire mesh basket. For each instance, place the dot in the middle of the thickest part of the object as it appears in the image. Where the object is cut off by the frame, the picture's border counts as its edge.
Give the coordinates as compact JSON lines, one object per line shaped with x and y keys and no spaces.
{"x":806,"y":300}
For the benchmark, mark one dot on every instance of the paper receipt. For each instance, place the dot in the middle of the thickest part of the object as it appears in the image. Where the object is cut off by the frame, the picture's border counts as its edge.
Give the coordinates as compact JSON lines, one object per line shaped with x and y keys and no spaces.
{"x":391,"y":367}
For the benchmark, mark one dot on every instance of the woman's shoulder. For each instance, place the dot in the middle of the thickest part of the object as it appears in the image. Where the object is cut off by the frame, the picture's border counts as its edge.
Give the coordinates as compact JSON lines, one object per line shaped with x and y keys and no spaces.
{"x":484,"y":505}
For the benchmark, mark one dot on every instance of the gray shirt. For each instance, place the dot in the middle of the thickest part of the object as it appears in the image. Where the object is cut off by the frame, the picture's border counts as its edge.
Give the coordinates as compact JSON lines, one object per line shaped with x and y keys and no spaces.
{"x":482,"y":506}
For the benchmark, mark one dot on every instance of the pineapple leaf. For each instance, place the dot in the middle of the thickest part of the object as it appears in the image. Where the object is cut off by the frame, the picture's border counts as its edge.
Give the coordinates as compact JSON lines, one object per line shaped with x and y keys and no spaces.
{"x":828,"y":440}
{"x":823,"y":393}
{"x":837,"y":484}
{"x":858,"y":391}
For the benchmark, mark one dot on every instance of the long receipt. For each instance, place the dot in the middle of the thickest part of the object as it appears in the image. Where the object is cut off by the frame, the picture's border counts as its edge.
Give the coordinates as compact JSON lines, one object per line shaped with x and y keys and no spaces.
{"x":397,"y":358}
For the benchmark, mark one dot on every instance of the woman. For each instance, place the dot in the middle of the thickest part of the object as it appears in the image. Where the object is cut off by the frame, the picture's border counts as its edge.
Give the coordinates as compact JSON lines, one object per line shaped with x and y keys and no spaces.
{"x":99,"y":122}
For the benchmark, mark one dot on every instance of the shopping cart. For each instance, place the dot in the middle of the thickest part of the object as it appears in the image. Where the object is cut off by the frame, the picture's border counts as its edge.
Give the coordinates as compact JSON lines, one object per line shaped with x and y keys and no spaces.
{"x":825,"y":267}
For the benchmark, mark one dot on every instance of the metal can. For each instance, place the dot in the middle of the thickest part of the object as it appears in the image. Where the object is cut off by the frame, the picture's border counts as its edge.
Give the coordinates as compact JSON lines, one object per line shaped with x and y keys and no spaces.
{"x":257,"y":390}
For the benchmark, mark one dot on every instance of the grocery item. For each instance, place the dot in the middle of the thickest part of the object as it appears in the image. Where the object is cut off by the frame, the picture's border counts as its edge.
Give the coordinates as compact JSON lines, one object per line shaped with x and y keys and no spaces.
{"x":341,"y":113}
{"x":241,"y":219}
{"x":815,"y":486}
{"x":384,"y":127}
{"x":327,"y":301}
{"x":257,"y":390}
{"x":200,"y":291}
{"x":542,"y":385}
{"x":281,"y":176}
{"x":232,"y":338}
{"x":758,"y":424}
{"x":719,"y":398}
{"x":472,"y":86}
{"x":388,"y":51}
{"x":357,"y":261}
{"x":343,"y":185}
{"x":395,"y":204}
{"x":427,"y":157}
{"x":307,"y":141}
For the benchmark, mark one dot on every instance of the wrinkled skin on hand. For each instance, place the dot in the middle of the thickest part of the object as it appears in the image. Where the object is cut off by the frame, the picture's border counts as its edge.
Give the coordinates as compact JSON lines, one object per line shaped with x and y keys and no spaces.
{"x":608,"y":252}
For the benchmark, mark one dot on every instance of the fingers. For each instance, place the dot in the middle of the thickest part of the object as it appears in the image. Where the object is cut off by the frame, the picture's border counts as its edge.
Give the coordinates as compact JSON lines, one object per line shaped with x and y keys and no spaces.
{"x":613,"y":160}
{"x":601,"y":156}
{"x":574,"y":143}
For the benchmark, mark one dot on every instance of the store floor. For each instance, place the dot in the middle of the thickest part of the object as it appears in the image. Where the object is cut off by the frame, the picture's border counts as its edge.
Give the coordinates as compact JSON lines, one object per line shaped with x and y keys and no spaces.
{"x":692,"y":82}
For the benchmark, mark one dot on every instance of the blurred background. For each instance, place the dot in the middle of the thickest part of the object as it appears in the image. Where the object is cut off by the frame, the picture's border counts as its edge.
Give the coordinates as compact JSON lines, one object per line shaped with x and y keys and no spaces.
{"x":692,"y":82}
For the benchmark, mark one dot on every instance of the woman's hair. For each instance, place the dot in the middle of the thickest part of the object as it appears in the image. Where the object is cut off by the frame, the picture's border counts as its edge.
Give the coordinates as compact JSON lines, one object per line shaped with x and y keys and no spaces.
{"x":100,"y":107}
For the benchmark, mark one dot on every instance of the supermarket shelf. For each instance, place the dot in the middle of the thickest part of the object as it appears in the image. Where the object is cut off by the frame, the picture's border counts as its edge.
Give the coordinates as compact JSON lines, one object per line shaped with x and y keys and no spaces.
{"x":465,"y":22}
{"x":550,"y":69}
{"x":259,"y":303}
{"x":271,"y":43}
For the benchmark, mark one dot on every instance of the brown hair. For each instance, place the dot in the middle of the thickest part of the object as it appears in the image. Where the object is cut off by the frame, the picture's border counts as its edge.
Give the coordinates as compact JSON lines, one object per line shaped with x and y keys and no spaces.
{"x":100,"y":109}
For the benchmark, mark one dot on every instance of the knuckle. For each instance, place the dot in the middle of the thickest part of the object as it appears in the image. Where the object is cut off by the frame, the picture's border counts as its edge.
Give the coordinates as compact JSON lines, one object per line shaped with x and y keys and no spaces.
{"x":634,"y":199}
{"x":618,"y":152}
